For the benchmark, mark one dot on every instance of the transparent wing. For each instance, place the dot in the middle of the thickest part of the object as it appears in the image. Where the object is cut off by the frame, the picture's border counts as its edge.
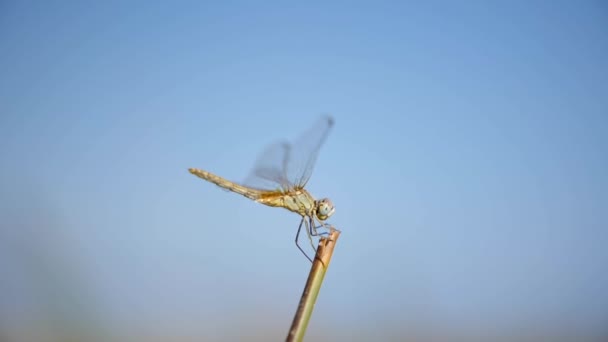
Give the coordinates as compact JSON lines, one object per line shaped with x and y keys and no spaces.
{"x":302,"y":154}
{"x":268,"y":172}
{"x":282,"y":165}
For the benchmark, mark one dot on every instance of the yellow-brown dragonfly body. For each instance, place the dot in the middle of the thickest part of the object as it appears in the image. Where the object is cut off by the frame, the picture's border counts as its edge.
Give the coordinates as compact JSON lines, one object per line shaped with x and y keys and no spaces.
{"x":288,"y":179}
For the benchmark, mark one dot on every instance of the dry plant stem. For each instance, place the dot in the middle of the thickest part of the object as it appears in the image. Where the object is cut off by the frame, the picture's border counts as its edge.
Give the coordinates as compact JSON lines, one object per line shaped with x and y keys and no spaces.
{"x":313,"y":285}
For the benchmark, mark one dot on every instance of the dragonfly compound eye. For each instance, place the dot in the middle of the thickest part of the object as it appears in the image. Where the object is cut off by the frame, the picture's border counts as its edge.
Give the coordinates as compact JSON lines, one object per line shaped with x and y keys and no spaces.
{"x":325,"y":209}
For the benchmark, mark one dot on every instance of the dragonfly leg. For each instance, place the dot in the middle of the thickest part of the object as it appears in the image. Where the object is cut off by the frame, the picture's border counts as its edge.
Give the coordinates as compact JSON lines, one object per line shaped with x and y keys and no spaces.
{"x":309,"y":231}
{"x":298,"y":235}
{"x":313,"y":228}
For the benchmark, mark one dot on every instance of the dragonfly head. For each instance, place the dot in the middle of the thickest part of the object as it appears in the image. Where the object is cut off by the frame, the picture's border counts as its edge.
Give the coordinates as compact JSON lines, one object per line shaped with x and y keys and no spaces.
{"x":324,"y":209}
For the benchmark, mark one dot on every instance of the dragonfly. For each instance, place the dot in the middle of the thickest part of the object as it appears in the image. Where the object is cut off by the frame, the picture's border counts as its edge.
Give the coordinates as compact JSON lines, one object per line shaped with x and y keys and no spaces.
{"x":279,"y":176}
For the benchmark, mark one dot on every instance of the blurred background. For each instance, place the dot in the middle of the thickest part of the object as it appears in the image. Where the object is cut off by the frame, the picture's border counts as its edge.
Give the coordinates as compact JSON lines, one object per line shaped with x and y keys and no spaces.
{"x":468,"y":165}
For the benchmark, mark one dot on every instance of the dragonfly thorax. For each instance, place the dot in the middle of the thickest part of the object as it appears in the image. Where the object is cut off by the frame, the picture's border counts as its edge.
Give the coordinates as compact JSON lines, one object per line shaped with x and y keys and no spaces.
{"x":324,"y":209}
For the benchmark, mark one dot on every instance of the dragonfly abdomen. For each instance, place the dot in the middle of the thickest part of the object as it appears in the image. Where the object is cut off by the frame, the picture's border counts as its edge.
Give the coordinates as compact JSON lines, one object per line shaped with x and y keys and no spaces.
{"x":251,"y":193}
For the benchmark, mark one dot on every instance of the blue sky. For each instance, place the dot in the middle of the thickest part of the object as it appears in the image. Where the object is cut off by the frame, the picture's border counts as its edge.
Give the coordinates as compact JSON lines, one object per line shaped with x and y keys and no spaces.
{"x":467,"y":164}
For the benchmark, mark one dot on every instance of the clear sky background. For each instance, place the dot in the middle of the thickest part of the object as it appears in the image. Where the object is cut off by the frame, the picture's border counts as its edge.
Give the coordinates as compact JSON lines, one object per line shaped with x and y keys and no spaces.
{"x":468,"y":165}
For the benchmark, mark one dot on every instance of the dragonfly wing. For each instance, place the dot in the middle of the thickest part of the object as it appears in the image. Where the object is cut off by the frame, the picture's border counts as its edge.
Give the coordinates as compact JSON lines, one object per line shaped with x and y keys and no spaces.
{"x":301,"y":156}
{"x":284,"y":166}
{"x":268,"y":172}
